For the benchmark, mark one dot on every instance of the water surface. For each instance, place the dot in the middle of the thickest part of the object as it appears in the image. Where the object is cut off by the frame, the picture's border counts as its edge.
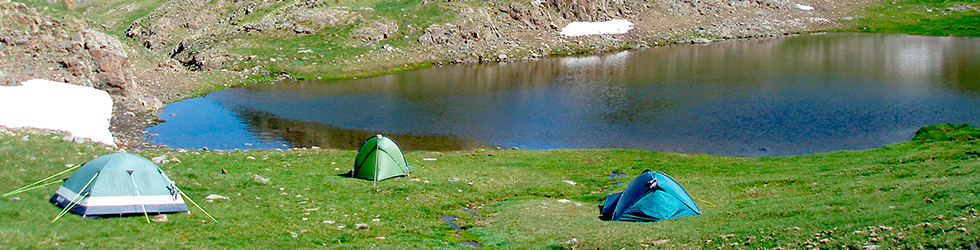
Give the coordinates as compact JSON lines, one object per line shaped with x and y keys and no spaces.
{"x":780,"y":96}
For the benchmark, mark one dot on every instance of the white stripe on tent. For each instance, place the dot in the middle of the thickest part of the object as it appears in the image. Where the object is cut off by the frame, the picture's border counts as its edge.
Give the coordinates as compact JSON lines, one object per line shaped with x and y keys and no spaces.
{"x":93,"y":201}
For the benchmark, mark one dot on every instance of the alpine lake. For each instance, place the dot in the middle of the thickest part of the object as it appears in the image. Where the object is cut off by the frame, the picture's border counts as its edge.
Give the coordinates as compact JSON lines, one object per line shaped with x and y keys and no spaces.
{"x":760,"y":97}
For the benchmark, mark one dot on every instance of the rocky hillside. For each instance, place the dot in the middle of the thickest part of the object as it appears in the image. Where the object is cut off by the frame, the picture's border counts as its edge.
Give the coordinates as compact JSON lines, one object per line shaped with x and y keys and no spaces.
{"x":149,"y":52}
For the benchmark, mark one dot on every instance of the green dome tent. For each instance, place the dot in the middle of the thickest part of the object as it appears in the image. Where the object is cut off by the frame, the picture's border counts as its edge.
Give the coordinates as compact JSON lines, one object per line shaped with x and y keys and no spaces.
{"x":380,"y":158}
{"x":119,"y":184}
{"x":652,"y":196}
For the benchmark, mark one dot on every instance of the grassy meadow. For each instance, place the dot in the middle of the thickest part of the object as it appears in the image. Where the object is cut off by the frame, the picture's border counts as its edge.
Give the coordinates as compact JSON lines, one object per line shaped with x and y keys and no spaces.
{"x":916,"y":194}
{"x":921,"y":17}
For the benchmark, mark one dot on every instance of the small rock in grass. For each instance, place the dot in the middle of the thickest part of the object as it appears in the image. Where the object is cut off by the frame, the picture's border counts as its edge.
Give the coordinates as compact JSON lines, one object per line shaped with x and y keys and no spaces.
{"x":213,"y":197}
{"x":564,"y":201}
{"x":429,"y":159}
{"x":871,"y":247}
{"x":661,"y":242}
{"x":161,"y":218}
{"x":329,"y":222}
{"x":250,"y":158}
{"x":570,"y":182}
{"x":15,"y":198}
{"x":259,"y":179}
{"x":573,"y":241}
{"x":26,"y":138}
{"x":160,"y":160}
{"x":361,"y":226}
{"x":375,"y":220}
{"x":453,"y":179}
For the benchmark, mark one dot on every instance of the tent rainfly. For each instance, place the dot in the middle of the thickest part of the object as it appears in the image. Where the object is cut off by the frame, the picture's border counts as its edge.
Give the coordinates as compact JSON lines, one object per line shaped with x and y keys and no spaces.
{"x":652,"y":196}
{"x":119,"y":184}
{"x":380,"y":158}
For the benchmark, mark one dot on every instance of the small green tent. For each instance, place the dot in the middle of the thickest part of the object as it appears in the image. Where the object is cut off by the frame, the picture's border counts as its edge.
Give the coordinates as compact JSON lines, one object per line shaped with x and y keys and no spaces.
{"x":119,"y":184}
{"x":380,"y":158}
{"x":652,"y":196}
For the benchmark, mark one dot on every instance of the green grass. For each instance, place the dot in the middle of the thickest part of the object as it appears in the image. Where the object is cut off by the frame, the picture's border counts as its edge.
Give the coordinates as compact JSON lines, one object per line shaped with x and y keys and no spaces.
{"x":922,"y":17}
{"x":906,"y":195}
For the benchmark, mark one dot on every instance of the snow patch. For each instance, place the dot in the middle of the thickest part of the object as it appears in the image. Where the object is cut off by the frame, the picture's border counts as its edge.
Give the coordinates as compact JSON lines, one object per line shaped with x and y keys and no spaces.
{"x":616,"y":26}
{"x":79,"y":110}
{"x":804,"y":7}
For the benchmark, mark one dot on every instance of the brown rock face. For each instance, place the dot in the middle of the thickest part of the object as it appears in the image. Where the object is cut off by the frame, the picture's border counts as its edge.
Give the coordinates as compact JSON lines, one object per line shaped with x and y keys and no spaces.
{"x":109,"y":60}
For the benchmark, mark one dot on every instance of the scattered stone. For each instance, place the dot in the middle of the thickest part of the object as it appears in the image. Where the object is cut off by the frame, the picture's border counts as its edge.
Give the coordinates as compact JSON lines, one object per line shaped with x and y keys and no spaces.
{"x":804,"y":7}
{"x":375,"y":220}
{"x":329,"y":222}
{"x":26,"y":138}
{"x":429,"y":159}
{"x":224,"y":171}
{"x":212,"y":197}
{"x":381,"y":237}
{"x":161,"y":218}
{"x":564,"y":201}
{"x":661,"y":242}
{"x":68,"y":138}
{"x":250,"y":158}
{"x":871,"y":247}
{"x":361,"y":226}
{"x":929,"y":200}
{"x":700,"y":40}
{"x":259,"y":179}
{"x":885,"y":228}
{"x":573,"y":241}
{"x":15,"y":198}
{"x":160,"y":160}
{"x":453,"y":179}
{"x":570,"y":182}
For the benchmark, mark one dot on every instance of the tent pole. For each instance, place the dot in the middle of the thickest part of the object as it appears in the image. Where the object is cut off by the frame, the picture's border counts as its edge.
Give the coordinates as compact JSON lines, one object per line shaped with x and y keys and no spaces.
{"x":138,"y":195}
{"x":377,"y":160}
{"x":19,"y":190}
{"x":195,"y":204}
{"x":73,"y":202}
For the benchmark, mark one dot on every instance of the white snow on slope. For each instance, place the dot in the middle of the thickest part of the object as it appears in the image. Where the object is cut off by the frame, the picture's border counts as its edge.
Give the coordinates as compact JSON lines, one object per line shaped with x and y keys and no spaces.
{"x":79,"y":110}
{"x":617,"y":26}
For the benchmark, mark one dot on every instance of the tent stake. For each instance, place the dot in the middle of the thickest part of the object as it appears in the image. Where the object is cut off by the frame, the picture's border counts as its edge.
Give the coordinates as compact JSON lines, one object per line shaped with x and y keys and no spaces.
{"x":138,"y":195}
{"x":20,"y":190}
{"x":73,"y":202}
{"x":195,"y":204}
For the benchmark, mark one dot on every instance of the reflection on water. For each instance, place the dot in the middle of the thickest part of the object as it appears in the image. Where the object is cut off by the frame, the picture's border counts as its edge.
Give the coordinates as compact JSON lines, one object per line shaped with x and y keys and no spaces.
{"x":780,"y":96}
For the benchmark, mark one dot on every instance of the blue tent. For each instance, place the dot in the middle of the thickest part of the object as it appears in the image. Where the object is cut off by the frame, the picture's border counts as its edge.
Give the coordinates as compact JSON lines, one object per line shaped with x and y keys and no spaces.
{"x":652,"y":196}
